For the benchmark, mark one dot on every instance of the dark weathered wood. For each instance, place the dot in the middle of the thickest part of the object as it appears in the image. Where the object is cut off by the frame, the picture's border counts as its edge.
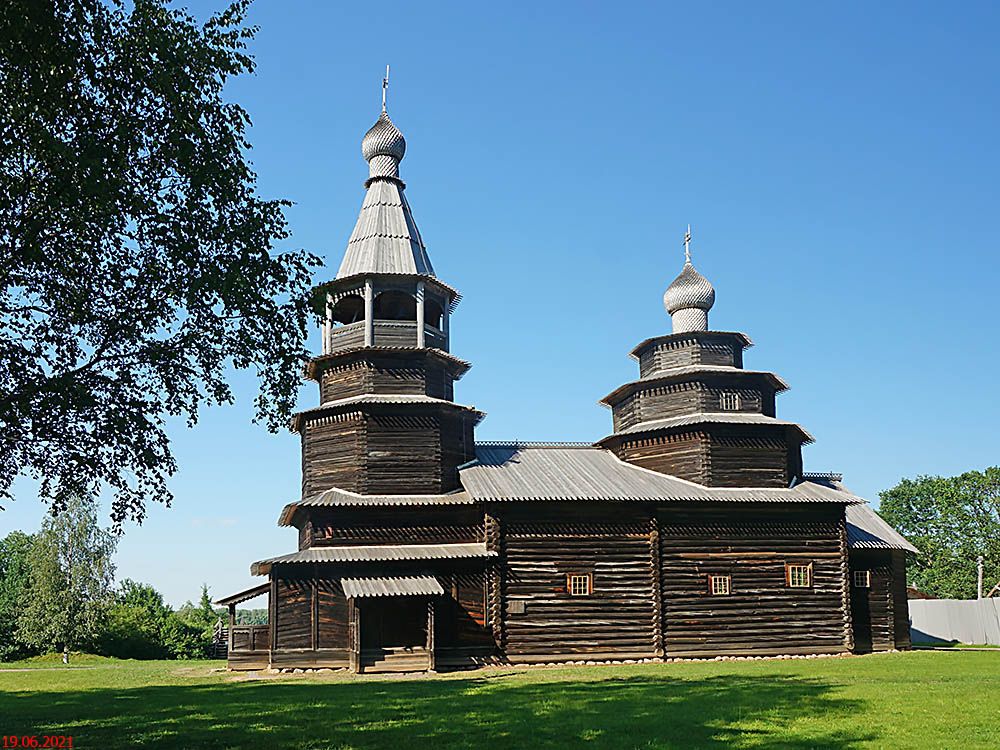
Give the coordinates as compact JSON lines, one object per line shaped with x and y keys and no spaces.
{"x":709,"y":348}
{"x":900,"y":603}
{"x":617,"y":617}
{"x":762,"y":614}
{"x":716,"y":455}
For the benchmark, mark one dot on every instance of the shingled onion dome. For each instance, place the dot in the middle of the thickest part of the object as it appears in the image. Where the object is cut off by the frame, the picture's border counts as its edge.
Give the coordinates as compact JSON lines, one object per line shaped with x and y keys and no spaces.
{"x":383,"y":148}
{"x":688,"y":299}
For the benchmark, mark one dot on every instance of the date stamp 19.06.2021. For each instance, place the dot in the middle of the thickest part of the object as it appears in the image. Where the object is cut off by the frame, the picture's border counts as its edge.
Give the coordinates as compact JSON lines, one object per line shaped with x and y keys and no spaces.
{"x":37,"y":741}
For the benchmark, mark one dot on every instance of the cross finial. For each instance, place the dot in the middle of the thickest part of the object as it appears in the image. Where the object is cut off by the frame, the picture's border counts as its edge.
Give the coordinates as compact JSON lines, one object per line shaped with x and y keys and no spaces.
{"x":687,"y":245}
{"x":385,"y":86}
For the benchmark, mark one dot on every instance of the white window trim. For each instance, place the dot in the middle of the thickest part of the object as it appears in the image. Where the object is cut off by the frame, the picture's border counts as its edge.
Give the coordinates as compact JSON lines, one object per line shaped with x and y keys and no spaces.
{"x":573,"y":578}
{"x":725,"y":587}
{"x":792,"y":569}
{"x":865,"y":582}
{"x":730,"y":401}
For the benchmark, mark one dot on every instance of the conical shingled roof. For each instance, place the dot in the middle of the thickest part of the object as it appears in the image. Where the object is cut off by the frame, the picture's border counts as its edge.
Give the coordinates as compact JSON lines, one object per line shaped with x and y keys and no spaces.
{"x":386,"y":239}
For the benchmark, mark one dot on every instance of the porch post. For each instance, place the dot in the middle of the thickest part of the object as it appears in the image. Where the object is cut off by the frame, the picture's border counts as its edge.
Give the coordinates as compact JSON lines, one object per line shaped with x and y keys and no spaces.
{"x":431,"y":665}
{"x":232,"y":623}
{"x":353,"y":636}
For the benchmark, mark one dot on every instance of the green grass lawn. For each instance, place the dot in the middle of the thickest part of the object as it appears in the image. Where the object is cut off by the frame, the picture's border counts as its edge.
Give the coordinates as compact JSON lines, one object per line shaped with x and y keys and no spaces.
{"x":917,"y":699}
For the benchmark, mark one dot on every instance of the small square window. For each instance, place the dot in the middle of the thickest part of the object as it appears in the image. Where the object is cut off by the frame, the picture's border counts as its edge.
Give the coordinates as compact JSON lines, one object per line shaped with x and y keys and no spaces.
{"x":720,"y":585}
{"x":798,"y":576}
{"x":579,"y":584}
{"x":862,"y":579}
{"x":730,"y":401}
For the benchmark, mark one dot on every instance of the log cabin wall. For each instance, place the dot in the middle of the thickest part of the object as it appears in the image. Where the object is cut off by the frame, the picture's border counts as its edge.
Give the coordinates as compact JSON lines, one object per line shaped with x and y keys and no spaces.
{"x":385,"y":453}
{"x":717,"y":455}
{"x":762,"y":614}
{"x":668,"y":400}
{"x":403,"y":456}
{"x":873,"y":608}
{"x":333,"y":446}
{"x":900,"y":602}
{"x":709,"y":348}
{"x":412,"y":373}
{"x":683,"y":454}
{"x":542,"y":620}
{"x":390,"y":525}
{"x":746,"y":460}
{"x":311,"y":625}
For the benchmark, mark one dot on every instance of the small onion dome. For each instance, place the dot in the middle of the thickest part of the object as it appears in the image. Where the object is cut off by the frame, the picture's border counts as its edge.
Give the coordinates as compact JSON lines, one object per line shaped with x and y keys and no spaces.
{"x":383,"y":141}
{"x":689,"y":290}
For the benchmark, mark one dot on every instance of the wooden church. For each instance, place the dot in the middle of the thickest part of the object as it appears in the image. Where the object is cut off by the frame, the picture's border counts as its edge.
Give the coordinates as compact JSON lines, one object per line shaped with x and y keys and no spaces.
{"x":690,"y":531}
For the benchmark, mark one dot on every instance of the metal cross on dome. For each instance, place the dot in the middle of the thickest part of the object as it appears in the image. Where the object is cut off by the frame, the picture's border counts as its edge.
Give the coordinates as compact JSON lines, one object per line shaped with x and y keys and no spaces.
{"x":687,"y":245}
{"x":385,"y":86}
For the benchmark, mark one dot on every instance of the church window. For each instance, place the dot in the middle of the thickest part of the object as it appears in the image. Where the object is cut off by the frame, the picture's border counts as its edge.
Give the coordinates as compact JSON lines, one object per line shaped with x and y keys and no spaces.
{"x":579,"y":584}
{"x":720,"y":585}
{"x":730,"y":401}
{"x":798,"y":576}
{"x":862,"y":579}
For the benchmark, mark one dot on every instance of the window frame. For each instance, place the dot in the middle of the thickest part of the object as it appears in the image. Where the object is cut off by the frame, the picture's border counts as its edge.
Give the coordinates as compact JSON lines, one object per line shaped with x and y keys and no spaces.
{"x":713,"y":578}
{"x":587,"y":577}
{"x":867,"y":579}
{"x":807,"y":567}
{"x":730,"y":401}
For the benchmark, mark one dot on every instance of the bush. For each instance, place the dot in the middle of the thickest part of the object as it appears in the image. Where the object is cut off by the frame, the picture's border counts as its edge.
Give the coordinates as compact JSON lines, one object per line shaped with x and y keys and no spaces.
{"x":184,"y":640}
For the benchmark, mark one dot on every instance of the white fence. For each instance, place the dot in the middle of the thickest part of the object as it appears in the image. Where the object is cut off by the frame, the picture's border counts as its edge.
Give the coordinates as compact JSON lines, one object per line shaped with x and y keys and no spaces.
{"x":950,"y":620}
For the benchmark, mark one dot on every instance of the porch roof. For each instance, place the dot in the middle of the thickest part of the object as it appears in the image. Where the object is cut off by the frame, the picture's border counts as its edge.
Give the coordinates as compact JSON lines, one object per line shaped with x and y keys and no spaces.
{"x":242,"y":596}
{"x":382,"y":552}
{"x":392,"y":586}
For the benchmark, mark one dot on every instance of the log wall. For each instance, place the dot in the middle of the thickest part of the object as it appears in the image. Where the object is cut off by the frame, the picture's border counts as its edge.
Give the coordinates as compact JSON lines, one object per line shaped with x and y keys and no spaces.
{"x":332,"y":447}
{"x":874,"y":609}
{"x":415,"y":374}
{"x":382,"y":453}
{"x":702,"y":349}
{"x":900,"y":603}
{"x":690,"y":397}
{"x":762,"y":615}
{"x":390,"y":525}
{"x":544,"y":622}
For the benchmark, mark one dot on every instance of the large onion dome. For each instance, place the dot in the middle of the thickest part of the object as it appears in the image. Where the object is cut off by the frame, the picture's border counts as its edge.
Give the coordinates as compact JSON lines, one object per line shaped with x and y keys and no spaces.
{"x":688,"y":299}
{"x":383,"y":148}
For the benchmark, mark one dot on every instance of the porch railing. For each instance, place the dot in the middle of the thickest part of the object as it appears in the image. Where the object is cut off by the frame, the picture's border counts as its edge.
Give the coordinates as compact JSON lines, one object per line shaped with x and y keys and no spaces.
{"x":251,"y":638}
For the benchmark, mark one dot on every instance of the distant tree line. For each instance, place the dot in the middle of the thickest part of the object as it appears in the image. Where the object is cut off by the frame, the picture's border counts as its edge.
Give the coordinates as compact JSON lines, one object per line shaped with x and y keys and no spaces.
{"x":57,"y":593}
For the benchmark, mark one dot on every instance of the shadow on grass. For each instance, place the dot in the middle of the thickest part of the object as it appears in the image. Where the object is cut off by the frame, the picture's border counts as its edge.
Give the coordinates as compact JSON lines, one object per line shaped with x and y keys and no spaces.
{"x":638,"y":711}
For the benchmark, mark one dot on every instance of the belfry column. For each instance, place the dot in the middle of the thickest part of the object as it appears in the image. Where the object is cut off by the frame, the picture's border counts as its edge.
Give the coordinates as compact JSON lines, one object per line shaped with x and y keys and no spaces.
{"x":421,"y":341}
{"x":369,"y":313}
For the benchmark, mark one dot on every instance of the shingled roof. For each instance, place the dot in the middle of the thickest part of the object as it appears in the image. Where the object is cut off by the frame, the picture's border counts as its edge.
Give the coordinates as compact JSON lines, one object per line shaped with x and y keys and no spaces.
{"x":867,"y":530}
{"x":386,"y":238}
{"x":583,"y":472}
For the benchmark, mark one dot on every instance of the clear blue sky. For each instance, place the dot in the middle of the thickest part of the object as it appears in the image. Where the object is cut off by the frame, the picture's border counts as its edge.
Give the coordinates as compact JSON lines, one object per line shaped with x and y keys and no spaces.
{"x":838,"y":164}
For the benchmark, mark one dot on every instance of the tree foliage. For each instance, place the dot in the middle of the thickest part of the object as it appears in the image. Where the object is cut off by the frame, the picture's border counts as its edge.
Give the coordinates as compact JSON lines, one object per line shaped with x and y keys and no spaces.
{"x":951,"y":520}
{"x":14,"y":574}
{"x":137,"y":261}
{"x":135,"y":623}
{"x":70,"y":575}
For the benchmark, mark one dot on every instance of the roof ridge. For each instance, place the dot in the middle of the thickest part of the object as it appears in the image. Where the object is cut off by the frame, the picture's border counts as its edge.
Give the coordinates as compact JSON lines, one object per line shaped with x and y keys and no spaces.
{"x":536,"y":444}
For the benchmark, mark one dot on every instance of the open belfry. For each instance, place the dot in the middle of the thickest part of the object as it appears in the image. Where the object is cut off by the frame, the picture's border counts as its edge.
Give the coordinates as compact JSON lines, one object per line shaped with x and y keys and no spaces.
{"x":689,"y":531}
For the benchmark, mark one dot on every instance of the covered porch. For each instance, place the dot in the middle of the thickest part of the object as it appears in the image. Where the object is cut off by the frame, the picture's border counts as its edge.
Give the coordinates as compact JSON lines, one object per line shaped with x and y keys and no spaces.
{"x":247,"y":646}
{"x":391,"y":622}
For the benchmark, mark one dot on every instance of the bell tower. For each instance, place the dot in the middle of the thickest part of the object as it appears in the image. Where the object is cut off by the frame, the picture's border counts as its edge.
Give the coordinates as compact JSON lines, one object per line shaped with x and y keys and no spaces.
{"x":387,"y":423}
